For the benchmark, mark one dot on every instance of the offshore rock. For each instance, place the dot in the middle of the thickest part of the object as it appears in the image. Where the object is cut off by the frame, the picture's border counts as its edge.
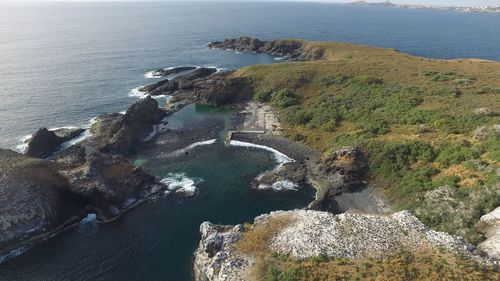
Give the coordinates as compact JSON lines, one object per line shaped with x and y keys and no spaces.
{"x":34,"y":200}
{"x":183,"y":82}
{"x":291,"y":49}
{"x":43,"y":142}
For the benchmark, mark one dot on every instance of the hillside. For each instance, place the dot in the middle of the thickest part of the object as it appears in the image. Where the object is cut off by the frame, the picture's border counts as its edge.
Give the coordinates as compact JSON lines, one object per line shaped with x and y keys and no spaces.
{"x":430,"y":128}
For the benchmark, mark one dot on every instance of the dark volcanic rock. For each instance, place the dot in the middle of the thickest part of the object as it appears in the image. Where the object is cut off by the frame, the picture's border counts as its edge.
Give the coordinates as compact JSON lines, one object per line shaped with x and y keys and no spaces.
{"x":242,"y":44}
{"x":171,"y":71}
{"x":110,"y":183}
{"x":183,"y":82}
{"x":34,"y":199}
{"x":222,"y":89}
{"x":290,"y":49}
{"x":164,"y":87}
{"x":44,"y":141}
{"x":120,"y":133}
{"x":199,"y":73}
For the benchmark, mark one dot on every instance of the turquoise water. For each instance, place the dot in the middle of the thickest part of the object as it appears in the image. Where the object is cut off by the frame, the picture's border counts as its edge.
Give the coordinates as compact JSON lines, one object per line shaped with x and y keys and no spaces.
{"x":156,"y":241}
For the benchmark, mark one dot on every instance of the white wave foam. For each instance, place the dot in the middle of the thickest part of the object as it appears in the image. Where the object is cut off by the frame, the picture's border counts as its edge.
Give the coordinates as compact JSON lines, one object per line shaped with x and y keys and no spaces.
{"x":77,"y":139}
{"x":137,"y":94}
{"x":191,"y":146}
{"x":181,"y":183}
{"x":12,"y":254}
{"x":283,"y":185}
{"x":280,"y":157}
{"x":280,"y":58}
{"x":23,"y":145}
{"x":90,"y":218}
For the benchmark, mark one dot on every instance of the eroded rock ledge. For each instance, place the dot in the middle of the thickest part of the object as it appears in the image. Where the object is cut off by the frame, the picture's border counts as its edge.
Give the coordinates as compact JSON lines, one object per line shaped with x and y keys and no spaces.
{"x":286,"y":49}
{"x":313,"y":233}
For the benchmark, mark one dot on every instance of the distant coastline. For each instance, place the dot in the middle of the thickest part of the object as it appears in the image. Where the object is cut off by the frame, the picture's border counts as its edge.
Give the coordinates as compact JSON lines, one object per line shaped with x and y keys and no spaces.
{"x":467,"y":9}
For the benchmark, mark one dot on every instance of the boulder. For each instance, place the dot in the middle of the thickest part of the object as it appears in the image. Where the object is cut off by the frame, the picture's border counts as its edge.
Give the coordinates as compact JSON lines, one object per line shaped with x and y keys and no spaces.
{"x":164,"y":87}
{"x":43,"y":142}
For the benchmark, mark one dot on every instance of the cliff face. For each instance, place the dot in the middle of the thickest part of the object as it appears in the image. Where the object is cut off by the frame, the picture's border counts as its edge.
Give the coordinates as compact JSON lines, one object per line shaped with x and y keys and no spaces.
{"x":308,"y":234}
{"x":34,"y":199}
{"x":222,"y":89}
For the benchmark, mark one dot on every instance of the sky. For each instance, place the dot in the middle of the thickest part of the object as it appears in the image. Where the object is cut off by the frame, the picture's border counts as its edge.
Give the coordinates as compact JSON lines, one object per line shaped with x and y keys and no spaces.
{"x":428,"y":2}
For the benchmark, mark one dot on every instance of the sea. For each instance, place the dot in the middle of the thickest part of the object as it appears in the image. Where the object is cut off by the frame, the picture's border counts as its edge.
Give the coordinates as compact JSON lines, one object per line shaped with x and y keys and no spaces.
{"x":61,"y":64}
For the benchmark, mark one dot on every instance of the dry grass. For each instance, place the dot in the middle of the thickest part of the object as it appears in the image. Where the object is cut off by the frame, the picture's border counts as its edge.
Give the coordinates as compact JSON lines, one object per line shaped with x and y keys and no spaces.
{"x":426,"y":264}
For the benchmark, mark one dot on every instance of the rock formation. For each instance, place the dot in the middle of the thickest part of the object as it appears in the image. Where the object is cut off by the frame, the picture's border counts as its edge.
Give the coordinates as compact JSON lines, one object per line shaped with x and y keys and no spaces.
{"x":172,"y":71}
{"x":39,"y":197}
{"x":183,"y":82}
{"x":290,"y":49}
{"x":43,"y":142}
{"x":222,"y":89}
{"x":312,"y":233}
{"x":118,"y":133}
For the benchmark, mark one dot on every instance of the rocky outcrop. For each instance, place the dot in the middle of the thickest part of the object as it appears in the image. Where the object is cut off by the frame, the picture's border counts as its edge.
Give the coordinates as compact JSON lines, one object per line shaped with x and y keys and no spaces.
{"x":215,"y":258}
{"x":40,"y":197}
{"x":312,"y":233}
{"x":222,"y":89}
{"x":339,"y":171}
{"x":490,"y":225}
{"x":181,"y":83}
{"x":43,"y":142}
{"x":116,"y":133}
{"x":290,"y":49}
{"x":34,"y":200}
{"x":172,"y":71}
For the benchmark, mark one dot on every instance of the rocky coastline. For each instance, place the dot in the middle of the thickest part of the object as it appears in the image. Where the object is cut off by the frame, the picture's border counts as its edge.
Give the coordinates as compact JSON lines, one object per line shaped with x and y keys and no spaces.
{"x":283,"y":49}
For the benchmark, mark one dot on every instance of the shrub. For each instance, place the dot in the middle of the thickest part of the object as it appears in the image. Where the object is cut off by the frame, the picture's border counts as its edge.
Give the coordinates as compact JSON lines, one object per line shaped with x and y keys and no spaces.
{"x":331,"y":80}
{"x":454,"y":154}
{"x":284,"y":98}
{"x":366,"y":79}
{"x":263,"y":95}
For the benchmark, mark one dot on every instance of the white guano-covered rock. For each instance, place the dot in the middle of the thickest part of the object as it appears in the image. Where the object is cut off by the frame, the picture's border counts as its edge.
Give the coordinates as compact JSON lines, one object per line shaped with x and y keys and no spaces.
{"x":313,"y":233}
{"x":490,"y":224}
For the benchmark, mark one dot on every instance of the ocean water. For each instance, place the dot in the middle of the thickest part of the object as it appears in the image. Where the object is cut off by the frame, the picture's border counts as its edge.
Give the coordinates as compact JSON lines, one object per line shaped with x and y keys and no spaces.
{"x":62,"y":64}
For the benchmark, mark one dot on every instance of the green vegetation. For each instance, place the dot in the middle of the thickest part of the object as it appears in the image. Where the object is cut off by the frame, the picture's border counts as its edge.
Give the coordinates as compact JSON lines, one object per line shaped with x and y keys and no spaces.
{"x":415,"y":118}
